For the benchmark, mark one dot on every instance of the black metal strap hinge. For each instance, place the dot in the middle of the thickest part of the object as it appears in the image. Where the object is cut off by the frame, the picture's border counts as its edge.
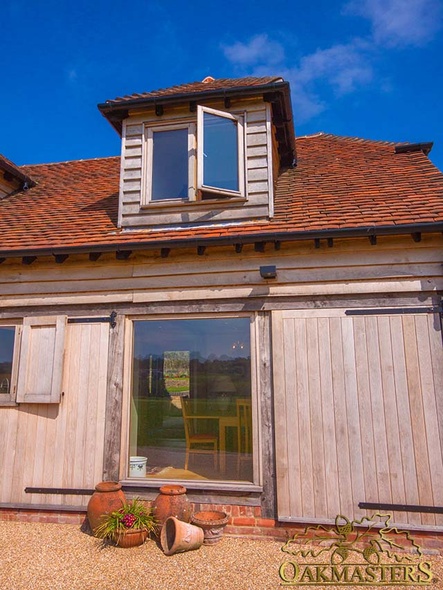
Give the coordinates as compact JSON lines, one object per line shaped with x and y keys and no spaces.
{"x":401,"y":507}
{"x":394,"y":310}
{"x":95,"y":320}
{"x":62,"y":491}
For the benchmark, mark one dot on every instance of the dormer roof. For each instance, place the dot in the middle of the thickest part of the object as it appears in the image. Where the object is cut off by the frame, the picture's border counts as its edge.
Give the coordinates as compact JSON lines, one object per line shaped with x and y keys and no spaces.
{"x":272,"y":89}
{"x":207,"y":86}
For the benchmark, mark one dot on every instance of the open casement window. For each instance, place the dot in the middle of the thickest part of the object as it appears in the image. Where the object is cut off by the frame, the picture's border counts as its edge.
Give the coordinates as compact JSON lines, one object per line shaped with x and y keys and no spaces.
{"x":9,"y":352}
{"x":220,"y":152}
{"x":40,"y":368}
{"x":176,"y":170}
{"x":170,"y":163}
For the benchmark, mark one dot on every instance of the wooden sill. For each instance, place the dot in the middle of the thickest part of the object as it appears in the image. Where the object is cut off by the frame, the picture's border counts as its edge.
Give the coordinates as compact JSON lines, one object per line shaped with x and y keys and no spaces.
{"x":210,"y":203}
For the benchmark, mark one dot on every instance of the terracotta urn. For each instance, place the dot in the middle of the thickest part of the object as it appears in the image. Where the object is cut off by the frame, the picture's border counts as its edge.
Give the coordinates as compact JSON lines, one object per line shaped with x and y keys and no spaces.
{"x":212,"y":522}
{"x":108,"y":496}
{"x":177,"y":536}
{"x":171,"y":501}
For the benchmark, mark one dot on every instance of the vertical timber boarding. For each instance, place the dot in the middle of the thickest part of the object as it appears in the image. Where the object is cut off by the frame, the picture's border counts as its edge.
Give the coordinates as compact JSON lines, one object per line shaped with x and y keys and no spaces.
{"x":59,"y":445}
{"x":358,"y":413}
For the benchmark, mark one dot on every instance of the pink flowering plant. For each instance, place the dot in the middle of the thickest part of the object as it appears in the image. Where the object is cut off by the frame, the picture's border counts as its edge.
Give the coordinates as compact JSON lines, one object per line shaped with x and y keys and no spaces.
{"x":132,"y":515}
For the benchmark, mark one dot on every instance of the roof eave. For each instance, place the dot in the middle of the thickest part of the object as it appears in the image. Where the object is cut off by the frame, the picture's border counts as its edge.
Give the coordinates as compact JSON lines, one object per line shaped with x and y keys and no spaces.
{"x":267,"y":237}
{"x":183,"y":97}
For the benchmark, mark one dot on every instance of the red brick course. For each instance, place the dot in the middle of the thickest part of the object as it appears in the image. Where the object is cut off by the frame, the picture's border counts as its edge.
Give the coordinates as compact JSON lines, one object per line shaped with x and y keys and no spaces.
{"x":245,"y":521}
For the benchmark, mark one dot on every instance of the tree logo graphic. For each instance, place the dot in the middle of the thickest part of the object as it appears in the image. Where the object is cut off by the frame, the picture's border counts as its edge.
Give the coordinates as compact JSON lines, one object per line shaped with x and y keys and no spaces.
{"x":368,"y":551}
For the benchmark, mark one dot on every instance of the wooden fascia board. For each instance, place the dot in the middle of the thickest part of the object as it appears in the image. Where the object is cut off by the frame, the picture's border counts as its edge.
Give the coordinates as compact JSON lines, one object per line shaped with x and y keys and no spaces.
{"x":231,"y":240}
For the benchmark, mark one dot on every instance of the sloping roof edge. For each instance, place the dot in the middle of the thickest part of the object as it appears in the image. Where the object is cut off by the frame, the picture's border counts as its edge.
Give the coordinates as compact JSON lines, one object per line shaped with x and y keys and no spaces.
{"x":276,"y":92}
{"x":11,"y":168}
{"x":370,"y":232}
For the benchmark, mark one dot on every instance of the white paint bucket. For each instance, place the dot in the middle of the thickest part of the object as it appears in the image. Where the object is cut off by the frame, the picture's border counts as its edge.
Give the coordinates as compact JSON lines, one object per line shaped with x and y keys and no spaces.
{"x":137,"y":466}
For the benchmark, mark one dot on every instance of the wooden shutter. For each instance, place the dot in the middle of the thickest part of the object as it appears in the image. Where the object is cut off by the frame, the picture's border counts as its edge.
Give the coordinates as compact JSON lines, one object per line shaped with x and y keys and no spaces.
{"x":41,"y":360}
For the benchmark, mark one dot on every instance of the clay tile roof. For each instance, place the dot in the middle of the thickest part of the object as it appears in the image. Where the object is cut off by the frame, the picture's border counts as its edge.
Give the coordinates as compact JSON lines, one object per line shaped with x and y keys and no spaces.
{"x":341,"y":186}
{"x":344,"y":182}
{"x":207,"y":85}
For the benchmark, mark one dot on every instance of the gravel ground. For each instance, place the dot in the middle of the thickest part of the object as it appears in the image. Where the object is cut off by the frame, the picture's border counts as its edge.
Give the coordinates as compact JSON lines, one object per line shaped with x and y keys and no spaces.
{"x":63,"y":557}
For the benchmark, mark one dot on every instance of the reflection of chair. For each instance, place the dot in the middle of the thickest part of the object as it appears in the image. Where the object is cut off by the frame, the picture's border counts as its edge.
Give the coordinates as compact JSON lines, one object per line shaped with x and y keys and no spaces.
{"x":197,"y":441}
{"x":244,"y":430}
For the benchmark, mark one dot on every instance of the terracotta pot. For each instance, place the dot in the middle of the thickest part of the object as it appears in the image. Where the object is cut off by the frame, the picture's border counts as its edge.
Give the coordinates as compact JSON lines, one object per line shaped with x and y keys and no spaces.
{"x":178,"y":536}
{"x":108,"y":496}
{"x":130,"y":538}
{"x":212,"y":522}
{"x":171,"y":501}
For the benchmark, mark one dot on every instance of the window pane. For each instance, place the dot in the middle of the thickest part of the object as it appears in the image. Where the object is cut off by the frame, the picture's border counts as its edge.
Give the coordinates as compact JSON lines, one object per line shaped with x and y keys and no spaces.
{"x":220,"y":152}
{"x":170,"y":165}
{"x":191,"y":399}
{"x":7,"y":335}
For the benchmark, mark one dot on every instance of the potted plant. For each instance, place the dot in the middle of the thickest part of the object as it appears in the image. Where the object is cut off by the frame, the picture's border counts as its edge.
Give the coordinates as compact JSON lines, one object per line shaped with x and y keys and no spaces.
{"x":128,"y":526}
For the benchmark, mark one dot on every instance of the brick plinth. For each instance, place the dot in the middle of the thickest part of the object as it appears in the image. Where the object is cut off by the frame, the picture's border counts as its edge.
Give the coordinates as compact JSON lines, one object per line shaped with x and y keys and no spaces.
{"x":244,"y":521}
{"x":28,"y":515}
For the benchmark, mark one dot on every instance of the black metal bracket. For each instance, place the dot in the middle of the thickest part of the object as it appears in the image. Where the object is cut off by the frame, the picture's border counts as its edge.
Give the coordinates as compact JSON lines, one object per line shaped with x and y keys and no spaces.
{"x":393,"y":310}
{"x":401,"y":507}
{"x":95,"y":320}
{"x":62,"y":491}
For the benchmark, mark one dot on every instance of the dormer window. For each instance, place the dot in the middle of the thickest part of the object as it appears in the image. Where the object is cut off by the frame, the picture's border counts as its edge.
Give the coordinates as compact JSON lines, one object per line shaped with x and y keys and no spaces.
{"x":169,"y":170}
{"x":172,"y":170}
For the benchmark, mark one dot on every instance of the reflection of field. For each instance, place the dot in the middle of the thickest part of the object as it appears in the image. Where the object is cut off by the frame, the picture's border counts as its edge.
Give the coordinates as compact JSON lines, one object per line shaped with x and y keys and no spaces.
{"x":177,"y":387}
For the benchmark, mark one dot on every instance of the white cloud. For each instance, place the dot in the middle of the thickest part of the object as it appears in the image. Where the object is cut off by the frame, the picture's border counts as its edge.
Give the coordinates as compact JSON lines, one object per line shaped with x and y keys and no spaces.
{"x":259,"y":49}
{"x":342,"y":67}
{"x":71,"y":76}
{"x":400,"y":22}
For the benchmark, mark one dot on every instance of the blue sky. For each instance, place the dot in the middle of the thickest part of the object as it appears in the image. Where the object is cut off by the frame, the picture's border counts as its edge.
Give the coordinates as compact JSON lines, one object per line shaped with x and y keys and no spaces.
{"x":365,"y":68}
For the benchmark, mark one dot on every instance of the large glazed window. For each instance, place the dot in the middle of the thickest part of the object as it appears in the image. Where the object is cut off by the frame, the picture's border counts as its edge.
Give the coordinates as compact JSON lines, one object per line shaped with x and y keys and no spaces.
{"x":191,"y":400}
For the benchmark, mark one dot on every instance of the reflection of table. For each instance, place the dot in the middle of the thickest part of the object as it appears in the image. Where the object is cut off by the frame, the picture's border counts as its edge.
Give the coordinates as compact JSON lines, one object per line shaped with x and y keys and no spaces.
{"x":224,"y":422}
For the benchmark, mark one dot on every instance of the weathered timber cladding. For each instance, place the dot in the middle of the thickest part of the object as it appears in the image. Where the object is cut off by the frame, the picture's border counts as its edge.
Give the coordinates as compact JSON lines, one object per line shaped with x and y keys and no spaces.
{"x":258,"y":173}
{"x":264,"y":381}
{"x":352,"y":269}
{"x":357,"y":413}
{"x":396,"y":272}
{"x":114,"y":402}
{"x":59,"y":445}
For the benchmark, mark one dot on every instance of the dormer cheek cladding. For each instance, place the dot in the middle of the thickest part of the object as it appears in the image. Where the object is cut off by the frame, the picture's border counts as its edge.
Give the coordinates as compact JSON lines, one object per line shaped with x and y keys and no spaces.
{"x":196,"y":207}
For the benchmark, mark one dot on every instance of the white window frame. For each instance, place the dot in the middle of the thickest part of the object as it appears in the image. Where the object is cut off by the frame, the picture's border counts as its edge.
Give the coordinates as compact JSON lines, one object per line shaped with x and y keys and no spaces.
{"x":149,"y":131}
{"x":201,"y":110}
{"x":8,"y":399}
{"x":196,"y":184}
